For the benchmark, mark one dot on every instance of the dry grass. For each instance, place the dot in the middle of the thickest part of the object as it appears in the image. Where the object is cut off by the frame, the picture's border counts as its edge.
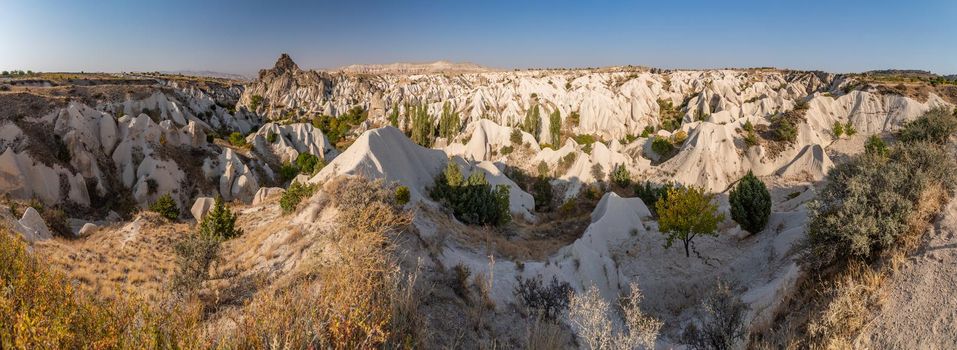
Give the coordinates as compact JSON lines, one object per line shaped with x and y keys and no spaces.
{"x":853,"y":296}
{"x":40,"y":308}
{"x":352,"y":295}
{"x":546,"y":335}
{"x":137,"y":257}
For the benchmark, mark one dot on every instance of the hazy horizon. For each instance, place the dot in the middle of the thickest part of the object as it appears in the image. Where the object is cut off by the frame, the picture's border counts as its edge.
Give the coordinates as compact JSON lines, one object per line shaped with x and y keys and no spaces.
{"x":241,"y":37}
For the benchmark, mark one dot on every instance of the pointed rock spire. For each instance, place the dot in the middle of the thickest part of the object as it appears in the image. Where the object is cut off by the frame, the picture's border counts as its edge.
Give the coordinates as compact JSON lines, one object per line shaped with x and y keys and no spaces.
{"x":285,"y":63}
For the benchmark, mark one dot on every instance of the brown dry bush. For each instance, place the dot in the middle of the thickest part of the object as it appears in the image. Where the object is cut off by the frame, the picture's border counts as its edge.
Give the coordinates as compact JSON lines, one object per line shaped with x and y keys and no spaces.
{"x":357,"y":299}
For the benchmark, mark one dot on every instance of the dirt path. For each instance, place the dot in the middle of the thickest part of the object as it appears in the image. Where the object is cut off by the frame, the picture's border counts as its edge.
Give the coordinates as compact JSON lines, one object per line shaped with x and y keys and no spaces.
{"x":921,"y":306}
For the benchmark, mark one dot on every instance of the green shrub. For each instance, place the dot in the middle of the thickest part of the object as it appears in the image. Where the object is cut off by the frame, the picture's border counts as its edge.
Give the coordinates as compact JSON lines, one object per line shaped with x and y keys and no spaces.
{"x":287,"y":172}
{"x":748,"y":126}
{"x":335,"y":128}
{"x":872,"y":201}
{"x":237,"y":139}
{"x":686,"y":213}
{"x":585,"y":139}
{"x":849,"y":129}
{"x":542,"y":168}
{"x":473,"y":200}
{"x":647,"y":131}
{"x":662,"y":146}
{"x":783,"y":128}
{"x":620,"y":176}
{"x":219,"y":223}
{"x":515,"y":137}
{"x":402,"y":195}
{"x":750,"y":203}
{"x":271,"y":137}
{"x":875,"y":145}
{"x":837,"y":129}
{"x":668,"y":115}
{"x":937,"y":125}
{"x":293,"y":195}
{"x":506,"y":150}
{"x":166,"y":207}
{"x":254,"y":102}
{"x":309,"y":164}
{"x":543,"y":193}
{"x":750,"y":139}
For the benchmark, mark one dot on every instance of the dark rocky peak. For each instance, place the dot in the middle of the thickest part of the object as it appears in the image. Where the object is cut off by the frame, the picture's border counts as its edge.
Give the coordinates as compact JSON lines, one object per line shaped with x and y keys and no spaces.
{"x":285,"y":63}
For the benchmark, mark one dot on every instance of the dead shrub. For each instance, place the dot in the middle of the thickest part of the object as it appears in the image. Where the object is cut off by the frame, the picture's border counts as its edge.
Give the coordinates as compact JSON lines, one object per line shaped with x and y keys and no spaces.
{"x":722,"y":323}
{"x":600,"y":325}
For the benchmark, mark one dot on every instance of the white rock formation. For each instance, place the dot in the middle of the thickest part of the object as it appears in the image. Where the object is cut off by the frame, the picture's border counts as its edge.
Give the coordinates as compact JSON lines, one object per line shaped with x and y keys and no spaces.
{"x":201,"y":206}
{"x":386,"y":153}
{"x":32,"y":226}
{"x":265,"y":193}
{"x":291,"y":140}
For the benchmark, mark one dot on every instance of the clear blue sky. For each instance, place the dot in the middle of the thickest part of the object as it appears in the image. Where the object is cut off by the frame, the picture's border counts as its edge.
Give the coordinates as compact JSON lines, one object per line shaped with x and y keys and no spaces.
{"x":243,"y":36}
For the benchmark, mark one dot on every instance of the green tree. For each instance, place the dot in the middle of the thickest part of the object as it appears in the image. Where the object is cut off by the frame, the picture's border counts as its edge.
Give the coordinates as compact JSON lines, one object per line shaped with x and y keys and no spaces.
{"x":219,"y":223}
{"x":423,"y":126}
{"x":449,"y":122}
{"x":687,"y":213}
{"x":533,"y":122}
{"x":394,"y":115}
{"x":254,"y":102}
{"x":620,"y":176}
{"x":555,"y":128}
{"x":750,"y":203}
{"x":166,"y":207}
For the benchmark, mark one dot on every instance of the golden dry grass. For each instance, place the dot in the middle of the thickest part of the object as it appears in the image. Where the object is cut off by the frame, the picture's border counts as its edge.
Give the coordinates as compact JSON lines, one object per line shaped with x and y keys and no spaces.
{"x":40,"y":308}
{"x":330,"y":282}
{"x":136,"y":257}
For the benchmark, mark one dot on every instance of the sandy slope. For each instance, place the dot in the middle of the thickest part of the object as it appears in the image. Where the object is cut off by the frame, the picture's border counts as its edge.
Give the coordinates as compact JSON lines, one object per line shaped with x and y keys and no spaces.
{"x":921,"y":306}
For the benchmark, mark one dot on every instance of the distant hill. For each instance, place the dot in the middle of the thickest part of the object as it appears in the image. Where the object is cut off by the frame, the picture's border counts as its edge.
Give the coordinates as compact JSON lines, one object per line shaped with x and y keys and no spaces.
{"x":415,"y":68}
{"x":210,"y":74}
